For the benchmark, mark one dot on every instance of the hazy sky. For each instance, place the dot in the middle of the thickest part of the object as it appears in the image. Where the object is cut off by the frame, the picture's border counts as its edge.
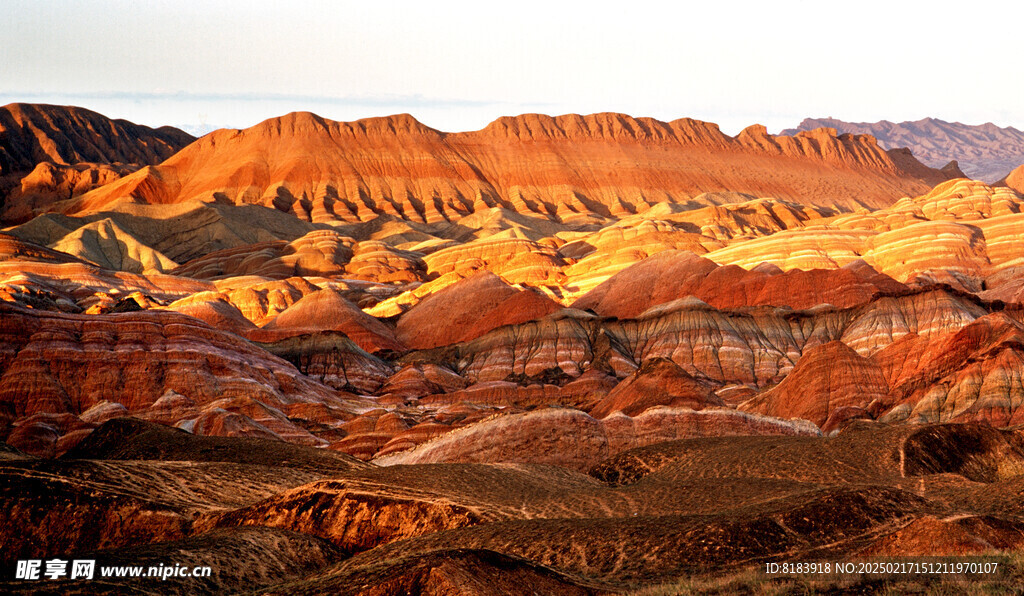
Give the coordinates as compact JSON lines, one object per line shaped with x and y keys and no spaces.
{"x":458,"y":65}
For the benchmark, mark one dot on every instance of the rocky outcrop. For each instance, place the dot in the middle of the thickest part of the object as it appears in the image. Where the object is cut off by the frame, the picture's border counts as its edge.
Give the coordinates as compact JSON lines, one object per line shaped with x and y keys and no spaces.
{"x":13,"y":248}
{"x":961,"y":228}
{"x":107,"y":245}
{"x":331,"y":358}
{"x":215,"y":310}
{"x":415,"y":381}
{"x":74,"y":285}
{"x":351,"y":519}
{"x":757,"y":346}
{"x":182,"y":232}
{"x":969,"y":375}
{"x":258,"y":300}
{"x":516,"y":260}
{"x":51,"y":182}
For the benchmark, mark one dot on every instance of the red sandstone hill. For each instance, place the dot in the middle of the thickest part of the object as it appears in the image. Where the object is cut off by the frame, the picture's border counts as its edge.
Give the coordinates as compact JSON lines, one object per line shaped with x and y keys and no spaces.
{"x":34,"y":133}
{"x":983,"y":151}
{"x":50,"y":153}
{"x":567,"y":168}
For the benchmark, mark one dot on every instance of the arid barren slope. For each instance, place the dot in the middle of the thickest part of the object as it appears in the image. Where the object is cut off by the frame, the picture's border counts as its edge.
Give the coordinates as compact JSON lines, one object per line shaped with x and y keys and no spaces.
{"x":298,"y":521}
{"x":35,"y":133}
{"x":574,"y":354}
{"x":603,"y":165}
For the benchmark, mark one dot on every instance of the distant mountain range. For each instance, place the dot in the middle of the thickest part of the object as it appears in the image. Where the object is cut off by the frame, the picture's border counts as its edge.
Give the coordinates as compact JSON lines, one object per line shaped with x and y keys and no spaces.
{"x":984,"y":152}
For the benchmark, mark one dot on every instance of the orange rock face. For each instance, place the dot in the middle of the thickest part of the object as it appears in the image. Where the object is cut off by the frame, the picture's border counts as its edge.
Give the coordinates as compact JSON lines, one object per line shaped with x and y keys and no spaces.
{"x":327,"y":310}
{"x":214,"y":310}
{"x":440,"y":320}
{"x":554,"y":167}
{"x":1014,"y":179}
{"x":414,"y":381}
{"x":659,"y":382}
{"x":672,"y":275}
{"x":51,"y":182}
{"x":516,"y":260}
{"x":967,"y":375}
{"x":259,"y":300}
{"x":826,"y":379}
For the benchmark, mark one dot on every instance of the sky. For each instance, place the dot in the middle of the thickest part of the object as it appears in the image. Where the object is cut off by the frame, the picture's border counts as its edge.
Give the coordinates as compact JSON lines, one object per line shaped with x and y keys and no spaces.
{"x":458,"y":65}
